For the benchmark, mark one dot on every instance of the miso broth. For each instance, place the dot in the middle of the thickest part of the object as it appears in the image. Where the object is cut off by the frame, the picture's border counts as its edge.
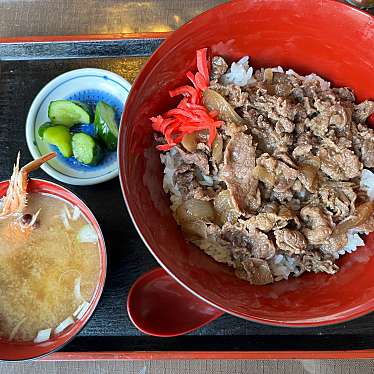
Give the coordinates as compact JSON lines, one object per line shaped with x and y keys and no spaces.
{"x":48,"y":275}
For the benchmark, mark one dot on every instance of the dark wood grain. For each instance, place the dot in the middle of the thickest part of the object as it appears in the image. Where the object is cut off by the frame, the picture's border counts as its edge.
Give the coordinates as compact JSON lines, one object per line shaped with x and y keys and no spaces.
{"x":43,"y":50}
{"x":110,"y":328}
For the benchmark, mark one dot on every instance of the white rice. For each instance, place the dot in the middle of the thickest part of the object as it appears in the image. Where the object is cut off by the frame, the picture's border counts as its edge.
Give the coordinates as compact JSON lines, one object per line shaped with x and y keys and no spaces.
{"x":43,"y":336}
{"x":87,"y":234}
{"x":293,"y":72}
{"x":354,"y":241}
{"x":367,"y":183}
{"x":277,"y":69}
{"x":313,"y":77}
{"x":282,"y":266}
{"x":240,"y":73}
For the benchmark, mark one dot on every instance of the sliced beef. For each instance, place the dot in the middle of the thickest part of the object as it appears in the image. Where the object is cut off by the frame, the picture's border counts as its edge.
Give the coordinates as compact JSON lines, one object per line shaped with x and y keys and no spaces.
{"x":254,"y":270}
{"x":283,"y":84}
{"x":211,"y":242}
{"x":274,"y":219}
{"x":185,"y":181}
{"x":219,"y":67}
{"x":268,"y":139}
{"x":239,"y":162}
{"x":363,"y":143}
{"x":339,"y":164}
{"x":362,"y":111}
{"x":291,"y":241}
{"x":318,"y":226}
{"x":232,"y":93}
{"x":273,"y":107}
{"x":276,"y":175}
{"x":339,"y":198}
{"x":283,"y":184}
{"x":302,"y":151}
{"x":313,"y":261}
{"x":328,"y":116}
{"x":308,"y":176}
{"x":198,"y":159}
{"x":367,"y":226}
{"x":258,"y":271}
{"x":257,"y":242}
{"x":344,"y":93}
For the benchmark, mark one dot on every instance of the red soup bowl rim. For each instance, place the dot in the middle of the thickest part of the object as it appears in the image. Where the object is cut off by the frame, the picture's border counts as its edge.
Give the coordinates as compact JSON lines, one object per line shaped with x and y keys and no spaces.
{"x":147,"y":69}
{"x":48,"y":187}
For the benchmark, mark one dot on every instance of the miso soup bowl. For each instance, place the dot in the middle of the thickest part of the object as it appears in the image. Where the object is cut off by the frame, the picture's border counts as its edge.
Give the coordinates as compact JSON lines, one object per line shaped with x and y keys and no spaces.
{"x":16,"y":351}
{"x":327,"y":37}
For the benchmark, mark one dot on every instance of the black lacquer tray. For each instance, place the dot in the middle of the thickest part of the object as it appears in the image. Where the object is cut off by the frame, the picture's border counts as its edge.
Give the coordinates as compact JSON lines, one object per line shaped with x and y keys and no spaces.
{"x":25,"y":67}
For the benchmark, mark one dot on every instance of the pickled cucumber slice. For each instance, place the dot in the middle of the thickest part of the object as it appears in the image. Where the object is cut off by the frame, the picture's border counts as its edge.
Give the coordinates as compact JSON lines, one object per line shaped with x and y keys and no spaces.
{"x":85,"y":149}
{"x":59,"y":136}
{"x":105,"y":125}
{"x":69,"y":112}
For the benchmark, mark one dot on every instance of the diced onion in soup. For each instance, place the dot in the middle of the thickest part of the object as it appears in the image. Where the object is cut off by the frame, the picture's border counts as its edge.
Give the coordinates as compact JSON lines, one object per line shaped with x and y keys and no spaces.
{"x":64,"y":324}
{"x":77,"y":289}
{"x":81,"y":310}
{"x":87,"y":234}
{"x":16,"y":328}
{"x":43,"y":336}
{"x":76,"y":213}
{"x":65,"y":219}
{"x":76,"y":312}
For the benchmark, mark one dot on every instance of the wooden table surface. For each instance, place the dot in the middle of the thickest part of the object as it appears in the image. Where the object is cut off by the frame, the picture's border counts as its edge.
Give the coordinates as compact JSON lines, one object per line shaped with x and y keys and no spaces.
{"x":72,"y":17}
{"x":69,"y":17}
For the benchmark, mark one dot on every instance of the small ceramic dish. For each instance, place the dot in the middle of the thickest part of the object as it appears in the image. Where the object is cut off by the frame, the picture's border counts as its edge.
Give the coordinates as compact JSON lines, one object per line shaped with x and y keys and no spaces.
{"x":89,"y":86}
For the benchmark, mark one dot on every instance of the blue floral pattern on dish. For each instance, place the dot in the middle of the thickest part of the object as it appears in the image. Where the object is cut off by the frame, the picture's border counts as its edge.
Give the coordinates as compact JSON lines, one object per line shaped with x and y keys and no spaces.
{"x":91,"y":98}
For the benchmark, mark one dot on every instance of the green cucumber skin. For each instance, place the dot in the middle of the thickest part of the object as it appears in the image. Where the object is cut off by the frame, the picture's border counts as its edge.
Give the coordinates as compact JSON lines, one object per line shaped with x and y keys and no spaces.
{"x":85,"y":107}
{"x":105,"y":125}
{"x":44,"y":127}
{"x":85,"y":149}
{"x":59,"y":136}
{"x":69,"y":112}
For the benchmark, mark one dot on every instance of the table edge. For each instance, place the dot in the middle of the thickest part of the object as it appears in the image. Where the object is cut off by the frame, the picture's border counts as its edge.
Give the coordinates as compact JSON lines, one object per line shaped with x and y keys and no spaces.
{"x":204,"y":355}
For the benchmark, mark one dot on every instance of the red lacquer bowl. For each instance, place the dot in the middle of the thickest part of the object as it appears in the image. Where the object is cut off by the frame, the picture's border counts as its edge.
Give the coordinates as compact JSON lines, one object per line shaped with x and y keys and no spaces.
{"x":325,"y":37}
{"x":12,"y":351}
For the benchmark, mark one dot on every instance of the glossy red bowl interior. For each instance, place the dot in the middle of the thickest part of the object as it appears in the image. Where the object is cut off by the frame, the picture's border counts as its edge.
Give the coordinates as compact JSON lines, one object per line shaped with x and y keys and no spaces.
{"x":13,"y":351}
{"x":325,"y":37}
